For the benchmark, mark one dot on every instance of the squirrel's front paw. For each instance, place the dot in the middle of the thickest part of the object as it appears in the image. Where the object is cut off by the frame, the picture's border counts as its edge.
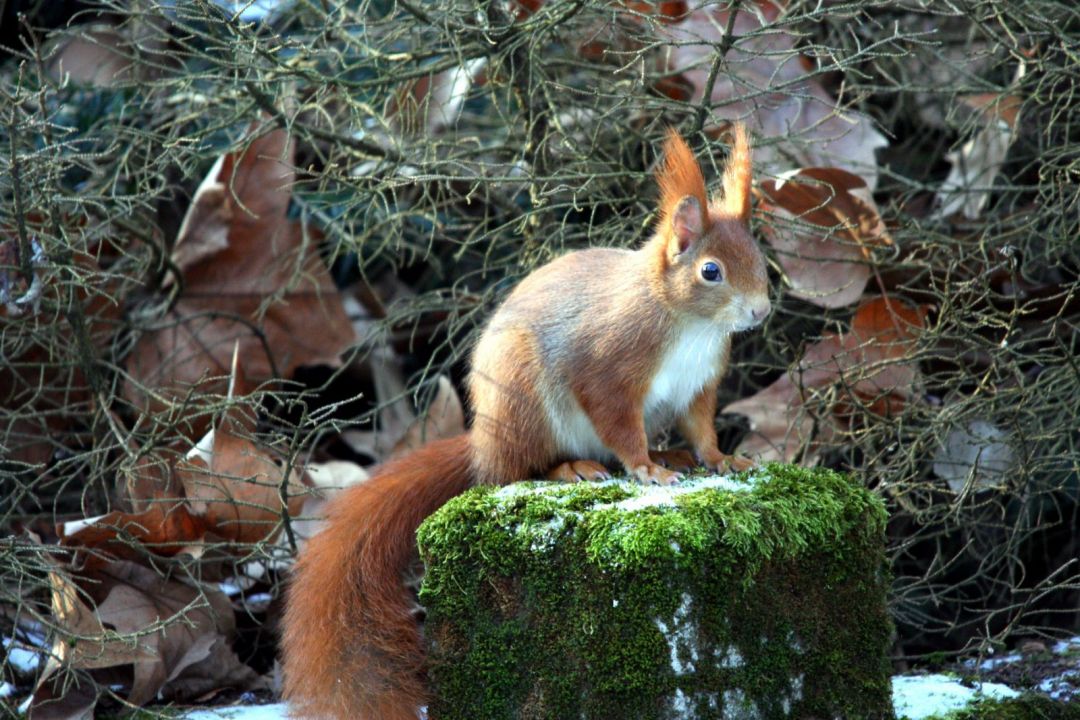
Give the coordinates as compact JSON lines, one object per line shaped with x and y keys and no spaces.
{"x":653,"y":474}
{"x":724,"y":463}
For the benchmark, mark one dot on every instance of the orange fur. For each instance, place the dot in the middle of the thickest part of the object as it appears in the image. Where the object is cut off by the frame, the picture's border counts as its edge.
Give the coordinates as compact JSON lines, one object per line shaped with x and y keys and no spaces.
{"x":678,"y":177}
{"x":585,"y":357}
{"x":737,"y":177}
{"x":350,"y":646}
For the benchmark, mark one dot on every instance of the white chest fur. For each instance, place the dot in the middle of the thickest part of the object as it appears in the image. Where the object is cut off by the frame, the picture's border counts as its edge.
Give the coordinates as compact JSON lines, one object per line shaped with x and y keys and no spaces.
{"x":691,"y":361}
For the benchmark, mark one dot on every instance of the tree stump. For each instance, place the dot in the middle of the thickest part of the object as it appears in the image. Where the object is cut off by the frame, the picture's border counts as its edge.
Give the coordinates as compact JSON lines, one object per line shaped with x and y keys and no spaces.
{"x":760,"y":595}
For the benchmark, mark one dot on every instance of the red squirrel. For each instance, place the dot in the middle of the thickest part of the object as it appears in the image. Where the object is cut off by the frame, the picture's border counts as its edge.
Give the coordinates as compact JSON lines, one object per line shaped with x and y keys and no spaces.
{"x":587,"y":357}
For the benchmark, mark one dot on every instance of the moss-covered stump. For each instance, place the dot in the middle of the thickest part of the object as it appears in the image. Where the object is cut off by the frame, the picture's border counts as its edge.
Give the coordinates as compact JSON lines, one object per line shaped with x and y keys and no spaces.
{"x":759,"y":596}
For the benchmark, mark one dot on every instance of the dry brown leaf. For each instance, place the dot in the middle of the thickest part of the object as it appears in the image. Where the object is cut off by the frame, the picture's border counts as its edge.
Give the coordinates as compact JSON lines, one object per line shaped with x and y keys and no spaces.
{"x":766,"y":84}
{"x":995,"y":106}
{"x":72,"y":700}
{"x":827,"y":267}
{"x":125,"y":614}
{"x":233,"y":496}
{"x":151,"y":478}
{"x":237,"y":491}
{"x":399,"y":430}
{"x":870,"y":366}
{"x":445,"y":418}
{"x":327,"y":480}
{"x":265,"y":287}
{"x":335,"y":474}
{"x":875,"y":358}
{"x":164,"y":528}
{"x":781,"y":427}
{"x":976,"y":455}
{"x":97,"y":55}
{"x":226,"y":489}
{"x":433,"y":103}
{"x":106,"y":55}
{"x":978,"y":161}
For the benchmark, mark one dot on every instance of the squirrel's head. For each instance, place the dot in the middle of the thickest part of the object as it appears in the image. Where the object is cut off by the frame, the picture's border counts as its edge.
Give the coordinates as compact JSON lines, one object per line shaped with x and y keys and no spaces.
{"x":707,"y":263}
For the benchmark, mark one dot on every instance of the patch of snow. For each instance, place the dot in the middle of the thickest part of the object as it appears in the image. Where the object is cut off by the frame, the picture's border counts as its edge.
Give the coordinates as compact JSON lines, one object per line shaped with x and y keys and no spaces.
{"x":793,"y":694}
{"x":518,"y":489}
{"x":731,"y":658}
{"x":1064,"y":687}
{"x":923,"y":696}
{"x":666,"y":495}
{"x":25,"y":660}
{"x":277,"y":711}
{"x":737,"y":706}
{"x":993,"y":663}
{"x":680,"y":704}
{"x":544,"y":535}
{"x":250,"y":10}
{"x":1063,"y":646}
{"x":231,"y":588}
{"x":643,"y":496}
{"x":681,"y":635}
{"x":73,"y":526}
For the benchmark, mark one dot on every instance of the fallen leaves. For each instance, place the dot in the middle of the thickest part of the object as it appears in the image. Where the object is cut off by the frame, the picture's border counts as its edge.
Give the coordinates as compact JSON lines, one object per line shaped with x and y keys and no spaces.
{"x":117,"y":612}
{"x":132,"y":630}
{"x":433,"y":103}
{"x":871,"y":367}
{"x":824,"y":227}
{"x":978,"y":161}
{"x":766,"y":83}
{"x":230,"y":491}
{"x":975,"y":455}
{"x":400,"y":430}
{"x":248,"y":275}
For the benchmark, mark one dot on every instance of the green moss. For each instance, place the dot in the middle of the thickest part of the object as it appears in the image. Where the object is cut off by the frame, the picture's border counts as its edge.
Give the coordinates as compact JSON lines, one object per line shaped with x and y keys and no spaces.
{"x":761,"y":598}
{"x":1025,"y":707}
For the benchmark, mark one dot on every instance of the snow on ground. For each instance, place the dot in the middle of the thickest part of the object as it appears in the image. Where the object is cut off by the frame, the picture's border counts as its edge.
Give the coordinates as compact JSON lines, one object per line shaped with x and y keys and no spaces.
{"x":922,"y":696}
{"x":248,"y":712}
{"x":914,"y":697}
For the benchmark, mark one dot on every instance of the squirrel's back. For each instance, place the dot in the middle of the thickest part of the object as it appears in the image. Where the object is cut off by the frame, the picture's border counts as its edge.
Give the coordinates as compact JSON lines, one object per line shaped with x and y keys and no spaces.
{"x":579,"y":315}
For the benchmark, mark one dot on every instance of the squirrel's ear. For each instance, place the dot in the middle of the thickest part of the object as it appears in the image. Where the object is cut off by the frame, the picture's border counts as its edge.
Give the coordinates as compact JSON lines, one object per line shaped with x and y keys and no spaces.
{"x":687,"y":224}
{"x":736,"y":201}
{"x":682,"y":193}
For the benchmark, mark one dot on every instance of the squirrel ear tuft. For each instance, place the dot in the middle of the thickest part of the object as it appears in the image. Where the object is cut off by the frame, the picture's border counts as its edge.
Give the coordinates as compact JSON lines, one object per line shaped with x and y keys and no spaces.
{"x":736,"y":201}
{"x":687,"y":224}
{"x":680,"y":176}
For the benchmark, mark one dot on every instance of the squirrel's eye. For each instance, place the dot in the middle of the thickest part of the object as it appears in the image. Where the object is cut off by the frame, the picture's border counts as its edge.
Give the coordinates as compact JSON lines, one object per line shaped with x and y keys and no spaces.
{"x":711,"y":272}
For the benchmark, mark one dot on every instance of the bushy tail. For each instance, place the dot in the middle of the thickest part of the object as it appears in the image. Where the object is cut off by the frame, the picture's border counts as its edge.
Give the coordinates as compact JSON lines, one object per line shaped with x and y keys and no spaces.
{"x":351,"y":648}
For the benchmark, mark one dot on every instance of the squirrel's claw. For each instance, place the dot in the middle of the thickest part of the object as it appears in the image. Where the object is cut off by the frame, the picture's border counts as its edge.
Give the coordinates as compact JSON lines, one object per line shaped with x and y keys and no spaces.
{"x":653,"y":474}
{"x":575,"y":470}
{"x":725,"y":464}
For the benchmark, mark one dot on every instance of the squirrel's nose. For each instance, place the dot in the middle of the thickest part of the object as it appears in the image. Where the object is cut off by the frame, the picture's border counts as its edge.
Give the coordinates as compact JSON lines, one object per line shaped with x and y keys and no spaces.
{"x":760,"y":310}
